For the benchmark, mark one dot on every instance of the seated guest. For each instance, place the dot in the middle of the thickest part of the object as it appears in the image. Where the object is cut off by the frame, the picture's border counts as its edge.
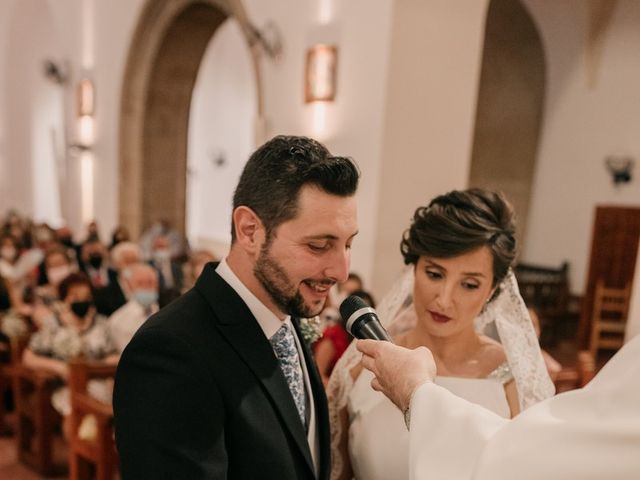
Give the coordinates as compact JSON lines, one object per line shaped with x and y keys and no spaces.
{"x":176,"y":243}
{"x":197,"y":260}
{"x":104,"y":279}
{"x":77,"y":330}
{"x":92,"y":232}
{"x":120,"y":234}
{"x":65,"y":237}
{"x":116,"y":293}
{"x":9,"y":251}
{"x":93,"y":263}
{"x":169,"y":271}
{"x":57,"y":266}
{"x":143,"y":285}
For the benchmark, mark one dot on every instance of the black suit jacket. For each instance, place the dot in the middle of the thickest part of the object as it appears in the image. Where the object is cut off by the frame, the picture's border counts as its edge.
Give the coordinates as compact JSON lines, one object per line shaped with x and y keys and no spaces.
{"x":199,"y":394}
{"x":110,"y":297}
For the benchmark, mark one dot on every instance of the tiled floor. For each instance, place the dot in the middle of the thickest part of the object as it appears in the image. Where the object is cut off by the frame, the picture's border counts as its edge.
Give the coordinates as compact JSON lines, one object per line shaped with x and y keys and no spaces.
{"x":11,"y":469}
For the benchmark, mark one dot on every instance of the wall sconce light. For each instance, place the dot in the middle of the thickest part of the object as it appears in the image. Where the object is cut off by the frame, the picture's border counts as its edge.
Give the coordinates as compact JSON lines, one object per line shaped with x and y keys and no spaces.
{"x":320,"y":73}
{"x":86,"y":97}
{"x":86,"y":106}
{"x":620,"y":168}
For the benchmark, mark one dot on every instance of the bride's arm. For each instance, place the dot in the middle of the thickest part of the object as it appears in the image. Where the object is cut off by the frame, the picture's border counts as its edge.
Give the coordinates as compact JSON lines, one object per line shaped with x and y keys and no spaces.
{"x":511,"y":392}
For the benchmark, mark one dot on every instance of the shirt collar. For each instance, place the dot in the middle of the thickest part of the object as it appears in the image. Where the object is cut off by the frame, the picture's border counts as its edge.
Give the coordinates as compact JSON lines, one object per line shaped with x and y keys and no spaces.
{"x":268,"y":321}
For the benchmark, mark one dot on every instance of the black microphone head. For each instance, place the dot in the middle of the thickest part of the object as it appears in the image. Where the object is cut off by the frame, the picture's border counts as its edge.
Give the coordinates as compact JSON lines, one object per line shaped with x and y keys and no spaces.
{"x":361,"y":320}
{"x":350,"y":305}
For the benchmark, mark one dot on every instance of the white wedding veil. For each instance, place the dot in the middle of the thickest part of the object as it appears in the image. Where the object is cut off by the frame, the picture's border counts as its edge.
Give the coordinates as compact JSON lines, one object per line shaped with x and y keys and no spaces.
{"x":506,"y":314}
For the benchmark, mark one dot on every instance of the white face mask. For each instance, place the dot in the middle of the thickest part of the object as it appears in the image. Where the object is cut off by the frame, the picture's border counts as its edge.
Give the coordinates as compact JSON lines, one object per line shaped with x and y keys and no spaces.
{"x":8,"y":253}
{"x":162,"y":255}
{"x":57,"y":274}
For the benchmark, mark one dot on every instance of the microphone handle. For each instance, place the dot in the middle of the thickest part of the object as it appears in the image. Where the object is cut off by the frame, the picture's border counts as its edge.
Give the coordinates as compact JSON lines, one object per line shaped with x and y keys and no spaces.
{"x":373,"y":330}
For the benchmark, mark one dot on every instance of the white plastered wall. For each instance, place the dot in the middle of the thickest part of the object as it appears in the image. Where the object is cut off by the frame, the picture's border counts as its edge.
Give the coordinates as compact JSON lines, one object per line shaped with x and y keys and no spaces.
{"x":582,"y":125}
{"x":430,"y":109}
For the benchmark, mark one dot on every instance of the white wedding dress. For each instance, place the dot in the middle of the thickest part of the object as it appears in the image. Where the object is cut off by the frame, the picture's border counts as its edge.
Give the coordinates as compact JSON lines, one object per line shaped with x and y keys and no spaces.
{"x":378,"y":437}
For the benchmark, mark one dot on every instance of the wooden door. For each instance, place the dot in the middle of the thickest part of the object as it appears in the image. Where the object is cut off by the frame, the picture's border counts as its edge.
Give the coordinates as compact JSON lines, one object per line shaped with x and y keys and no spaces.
{"x":614,"y":248}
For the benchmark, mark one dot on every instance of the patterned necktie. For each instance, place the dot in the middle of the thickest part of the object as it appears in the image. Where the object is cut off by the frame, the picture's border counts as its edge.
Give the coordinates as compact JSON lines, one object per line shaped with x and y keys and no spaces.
{"x":284,"y":346}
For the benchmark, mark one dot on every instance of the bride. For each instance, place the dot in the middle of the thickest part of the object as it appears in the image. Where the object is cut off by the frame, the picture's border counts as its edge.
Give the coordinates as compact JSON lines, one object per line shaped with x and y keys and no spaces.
{"x":458,"y":293}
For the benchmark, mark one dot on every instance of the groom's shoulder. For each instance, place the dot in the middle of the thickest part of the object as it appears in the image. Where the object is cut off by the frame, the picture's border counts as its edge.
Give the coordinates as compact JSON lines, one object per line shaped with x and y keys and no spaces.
{"x":187,"y":314}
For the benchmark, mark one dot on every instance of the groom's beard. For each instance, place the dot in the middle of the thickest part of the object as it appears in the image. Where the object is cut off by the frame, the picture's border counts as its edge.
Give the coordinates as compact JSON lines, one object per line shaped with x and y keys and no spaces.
{"x":274,"y":279}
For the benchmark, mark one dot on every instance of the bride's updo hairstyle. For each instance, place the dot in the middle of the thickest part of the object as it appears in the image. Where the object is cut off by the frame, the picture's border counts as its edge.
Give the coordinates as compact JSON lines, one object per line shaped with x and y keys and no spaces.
{"x":460,"y":222}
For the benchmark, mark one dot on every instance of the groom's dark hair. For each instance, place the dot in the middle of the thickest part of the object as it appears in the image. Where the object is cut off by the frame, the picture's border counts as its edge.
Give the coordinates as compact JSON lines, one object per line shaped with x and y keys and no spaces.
{"x":272,"y":178}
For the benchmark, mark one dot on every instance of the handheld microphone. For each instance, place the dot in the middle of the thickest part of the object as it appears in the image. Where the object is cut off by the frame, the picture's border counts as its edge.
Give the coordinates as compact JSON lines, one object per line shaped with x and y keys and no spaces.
{"x":361,"y":320}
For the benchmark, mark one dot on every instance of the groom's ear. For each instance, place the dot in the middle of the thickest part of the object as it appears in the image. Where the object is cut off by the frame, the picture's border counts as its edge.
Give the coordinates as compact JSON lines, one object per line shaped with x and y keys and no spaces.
{"x":249,"y":230}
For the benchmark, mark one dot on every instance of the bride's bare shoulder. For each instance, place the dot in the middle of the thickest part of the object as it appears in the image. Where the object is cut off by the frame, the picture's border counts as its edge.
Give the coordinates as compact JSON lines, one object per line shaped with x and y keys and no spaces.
{"x":491,"y":353}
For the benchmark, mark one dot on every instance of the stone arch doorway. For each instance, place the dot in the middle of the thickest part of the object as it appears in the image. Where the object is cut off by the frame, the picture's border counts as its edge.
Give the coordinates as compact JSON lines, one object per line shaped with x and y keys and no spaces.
{"x":166,"y":51}
{"x":510,"y":106}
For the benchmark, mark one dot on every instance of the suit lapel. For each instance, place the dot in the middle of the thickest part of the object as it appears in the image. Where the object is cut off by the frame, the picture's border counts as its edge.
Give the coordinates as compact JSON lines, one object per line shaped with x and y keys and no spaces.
{"x":242,"y":331}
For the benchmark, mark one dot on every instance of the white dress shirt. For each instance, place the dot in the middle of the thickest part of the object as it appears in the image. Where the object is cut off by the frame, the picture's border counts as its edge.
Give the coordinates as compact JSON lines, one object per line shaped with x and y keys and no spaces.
{"x":270,"y":323}
{"x":126,"y":321}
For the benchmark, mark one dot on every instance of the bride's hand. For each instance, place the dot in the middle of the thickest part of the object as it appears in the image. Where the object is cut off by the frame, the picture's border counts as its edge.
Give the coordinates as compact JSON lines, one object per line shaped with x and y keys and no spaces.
{"x":398,"y":371}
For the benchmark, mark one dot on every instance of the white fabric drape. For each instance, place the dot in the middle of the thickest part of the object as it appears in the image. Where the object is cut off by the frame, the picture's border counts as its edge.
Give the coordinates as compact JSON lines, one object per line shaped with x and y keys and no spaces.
{"x":587,"y":434}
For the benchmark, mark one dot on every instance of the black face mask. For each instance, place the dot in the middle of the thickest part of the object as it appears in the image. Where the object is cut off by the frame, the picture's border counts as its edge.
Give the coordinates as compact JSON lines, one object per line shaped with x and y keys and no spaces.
{"x":80,"y":309}
{"x":95,"y":260}
{"x":66,"y":241}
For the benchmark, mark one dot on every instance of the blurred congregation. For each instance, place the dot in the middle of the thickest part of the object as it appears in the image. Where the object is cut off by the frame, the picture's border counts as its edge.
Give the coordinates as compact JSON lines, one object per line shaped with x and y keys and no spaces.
{"x":125,"y":125}
{"x":66,"y":306}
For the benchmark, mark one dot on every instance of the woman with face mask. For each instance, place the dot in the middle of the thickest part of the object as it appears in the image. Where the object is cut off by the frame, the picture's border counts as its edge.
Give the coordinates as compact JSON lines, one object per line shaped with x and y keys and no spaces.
{"x":57,"y":266}
{"x":8,"y":255}
{"x":76,"y":331}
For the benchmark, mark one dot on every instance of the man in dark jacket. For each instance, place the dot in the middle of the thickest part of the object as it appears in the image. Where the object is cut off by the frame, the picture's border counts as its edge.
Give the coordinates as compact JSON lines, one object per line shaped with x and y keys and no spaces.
{"x":221,"y":383}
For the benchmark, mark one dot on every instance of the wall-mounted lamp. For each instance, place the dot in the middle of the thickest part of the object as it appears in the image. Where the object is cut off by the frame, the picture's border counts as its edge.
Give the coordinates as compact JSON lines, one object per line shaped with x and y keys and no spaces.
{"x":86,"y":97}
{"x":86,"y":106}
{"x":320,"y":73}
{"x":620,"y":168}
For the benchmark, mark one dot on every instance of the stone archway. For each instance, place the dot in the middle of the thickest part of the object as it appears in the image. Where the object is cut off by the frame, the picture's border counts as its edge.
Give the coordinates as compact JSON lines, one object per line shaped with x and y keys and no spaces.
{"x":166,"y":51}
{"x":510,"y":106}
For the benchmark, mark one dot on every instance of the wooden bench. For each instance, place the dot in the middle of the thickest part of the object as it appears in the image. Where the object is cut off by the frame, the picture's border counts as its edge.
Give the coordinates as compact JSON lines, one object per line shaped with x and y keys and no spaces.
{"x":93,"y":455}
{"x":36,"y":419}
{"x":546,"y":289}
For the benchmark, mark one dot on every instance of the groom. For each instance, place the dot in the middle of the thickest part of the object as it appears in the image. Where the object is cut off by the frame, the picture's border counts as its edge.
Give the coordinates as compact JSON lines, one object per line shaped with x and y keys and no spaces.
{"x":220,"y":383}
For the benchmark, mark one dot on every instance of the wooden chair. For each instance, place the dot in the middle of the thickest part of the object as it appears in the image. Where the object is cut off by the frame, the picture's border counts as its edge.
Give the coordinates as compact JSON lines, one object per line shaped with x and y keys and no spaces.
{"x":609,"y":318}
{"x":6,"y":360}
{"x":37,"y":420}
{"x":97,"y":453}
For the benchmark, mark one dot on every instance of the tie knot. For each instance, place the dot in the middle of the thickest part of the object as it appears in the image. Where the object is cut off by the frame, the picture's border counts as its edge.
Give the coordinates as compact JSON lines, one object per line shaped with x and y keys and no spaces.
{"x":283,"y":343}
